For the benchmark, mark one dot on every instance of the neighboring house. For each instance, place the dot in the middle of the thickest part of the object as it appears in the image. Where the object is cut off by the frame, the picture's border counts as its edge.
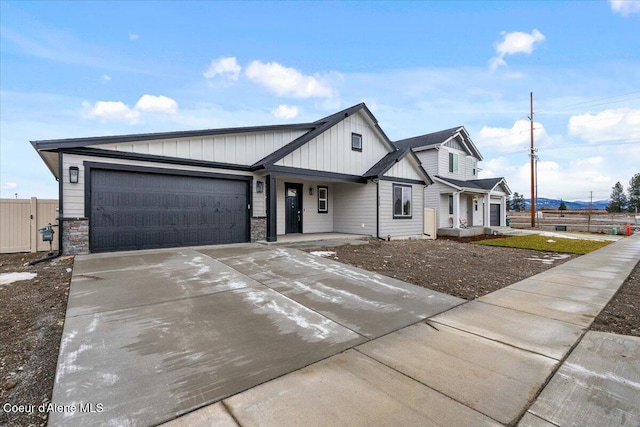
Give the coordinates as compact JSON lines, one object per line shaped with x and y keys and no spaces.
{"x":338,"y":174}
{"x":462,"y":200}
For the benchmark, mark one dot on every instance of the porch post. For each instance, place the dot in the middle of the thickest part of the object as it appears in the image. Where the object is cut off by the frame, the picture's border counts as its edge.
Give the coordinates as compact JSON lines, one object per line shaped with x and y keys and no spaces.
{"x":272,"y":212}
{"x":456,"y":209}
{"x":503,"y":211}
{"x":487,"y":210}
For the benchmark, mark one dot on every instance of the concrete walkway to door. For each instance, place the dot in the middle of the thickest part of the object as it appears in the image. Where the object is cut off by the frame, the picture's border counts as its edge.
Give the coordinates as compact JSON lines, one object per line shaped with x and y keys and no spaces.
{"x":152,"y":335}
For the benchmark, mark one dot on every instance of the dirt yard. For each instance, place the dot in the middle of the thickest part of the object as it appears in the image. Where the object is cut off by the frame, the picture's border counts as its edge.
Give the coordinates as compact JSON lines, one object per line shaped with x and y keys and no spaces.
{"x":32,"y":313}
{"x":31,"y":321}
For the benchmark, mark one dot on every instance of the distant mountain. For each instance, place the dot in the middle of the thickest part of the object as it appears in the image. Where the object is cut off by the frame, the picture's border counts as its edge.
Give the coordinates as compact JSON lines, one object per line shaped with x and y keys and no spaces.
{"x":544,"y":203}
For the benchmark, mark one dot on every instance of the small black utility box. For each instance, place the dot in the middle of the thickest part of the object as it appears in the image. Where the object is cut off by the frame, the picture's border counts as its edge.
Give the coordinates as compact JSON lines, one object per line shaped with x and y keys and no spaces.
{"x":561,"y":228}
{"x":47,"y":233}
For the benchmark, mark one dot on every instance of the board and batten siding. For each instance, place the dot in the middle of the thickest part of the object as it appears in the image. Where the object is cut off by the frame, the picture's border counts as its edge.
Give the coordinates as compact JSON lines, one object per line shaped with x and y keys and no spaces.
{"x":405,"y":168}
{"x":397,"y":228}
{"x":331,"y":151}
{"x":73,"y":194}
{"x":241,"y":149}
{"x":354,"y":209}
{"x":312,"y":221}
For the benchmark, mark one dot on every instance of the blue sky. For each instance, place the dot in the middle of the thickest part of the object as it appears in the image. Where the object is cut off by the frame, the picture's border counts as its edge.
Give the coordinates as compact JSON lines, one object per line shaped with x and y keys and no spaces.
{"x":73,"y":69}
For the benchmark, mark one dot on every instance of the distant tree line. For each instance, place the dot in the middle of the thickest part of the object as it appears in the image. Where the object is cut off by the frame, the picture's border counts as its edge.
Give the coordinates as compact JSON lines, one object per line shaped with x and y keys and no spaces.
{"x":629,"y":201}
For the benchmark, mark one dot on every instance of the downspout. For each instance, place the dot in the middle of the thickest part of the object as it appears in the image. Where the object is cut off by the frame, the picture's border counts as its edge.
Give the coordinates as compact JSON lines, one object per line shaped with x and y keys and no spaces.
{"x":60,"y":227}
{"x":377,"y":182}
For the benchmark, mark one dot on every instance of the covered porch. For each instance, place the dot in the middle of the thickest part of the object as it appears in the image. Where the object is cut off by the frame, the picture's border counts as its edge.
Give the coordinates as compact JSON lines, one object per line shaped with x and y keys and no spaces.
{"x":301,"y":207}
{"x":473,"y":207}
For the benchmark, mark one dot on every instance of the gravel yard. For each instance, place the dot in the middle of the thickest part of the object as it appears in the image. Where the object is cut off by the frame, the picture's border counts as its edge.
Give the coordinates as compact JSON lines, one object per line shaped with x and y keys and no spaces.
{"x":33,"y":309}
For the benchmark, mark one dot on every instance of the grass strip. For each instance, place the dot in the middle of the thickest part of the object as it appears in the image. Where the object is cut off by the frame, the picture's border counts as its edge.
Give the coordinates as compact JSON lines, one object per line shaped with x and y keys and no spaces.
{"x":547,"y":244}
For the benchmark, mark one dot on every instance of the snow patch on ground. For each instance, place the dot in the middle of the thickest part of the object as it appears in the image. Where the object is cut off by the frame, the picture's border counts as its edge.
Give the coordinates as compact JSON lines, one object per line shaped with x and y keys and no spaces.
{"x":549,"y":259}
{"x":8,"y":278}
{"x":323,"y":253}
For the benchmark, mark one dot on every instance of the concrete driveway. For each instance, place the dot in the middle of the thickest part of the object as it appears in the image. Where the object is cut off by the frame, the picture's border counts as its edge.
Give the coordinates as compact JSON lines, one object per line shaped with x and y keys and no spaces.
{"x":152,"y":335}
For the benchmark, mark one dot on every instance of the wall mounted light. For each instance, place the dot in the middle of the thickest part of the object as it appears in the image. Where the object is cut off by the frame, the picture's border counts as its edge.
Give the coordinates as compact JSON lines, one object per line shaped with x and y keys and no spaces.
{"x":311,"y":191}
{"x":74,"y":172}
{"x":259,"y":186}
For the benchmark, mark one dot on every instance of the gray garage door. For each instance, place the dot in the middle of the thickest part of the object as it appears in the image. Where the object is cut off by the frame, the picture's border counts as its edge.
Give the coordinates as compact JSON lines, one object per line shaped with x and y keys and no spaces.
{"x":495,"y":215}
{"x":134,"y":210}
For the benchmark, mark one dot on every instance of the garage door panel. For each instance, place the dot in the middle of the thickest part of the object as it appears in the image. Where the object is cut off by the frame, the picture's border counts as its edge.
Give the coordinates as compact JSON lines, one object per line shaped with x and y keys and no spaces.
{"x":132,"y":210}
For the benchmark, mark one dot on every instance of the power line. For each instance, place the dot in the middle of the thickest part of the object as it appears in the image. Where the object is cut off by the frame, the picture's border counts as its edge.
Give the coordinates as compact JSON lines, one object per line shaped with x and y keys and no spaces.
{"x":585,"y":103}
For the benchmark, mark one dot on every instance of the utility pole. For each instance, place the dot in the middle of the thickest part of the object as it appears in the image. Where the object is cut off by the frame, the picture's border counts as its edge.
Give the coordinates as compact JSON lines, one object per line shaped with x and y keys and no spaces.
{"x":590,"y":207}
{"x":533,"y":191}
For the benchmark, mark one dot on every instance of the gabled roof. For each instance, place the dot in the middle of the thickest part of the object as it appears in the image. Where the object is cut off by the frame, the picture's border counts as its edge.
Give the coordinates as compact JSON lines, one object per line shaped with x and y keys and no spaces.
{"x":391,"y":159}
{"x":435,"y":139}
{"x":321,"y":126}
{"x":484,"y":185}
{"x":54,"y":144}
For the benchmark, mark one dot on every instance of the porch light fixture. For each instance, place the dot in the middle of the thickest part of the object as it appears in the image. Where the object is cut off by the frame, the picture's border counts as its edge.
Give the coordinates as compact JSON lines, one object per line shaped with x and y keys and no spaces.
{"x":74,"y":172}
{"x":311,"y":191}
{"x":259,"y":186}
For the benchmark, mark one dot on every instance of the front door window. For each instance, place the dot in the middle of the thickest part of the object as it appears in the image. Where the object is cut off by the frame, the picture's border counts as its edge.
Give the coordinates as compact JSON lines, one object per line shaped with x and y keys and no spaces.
{"x":293,"y":208}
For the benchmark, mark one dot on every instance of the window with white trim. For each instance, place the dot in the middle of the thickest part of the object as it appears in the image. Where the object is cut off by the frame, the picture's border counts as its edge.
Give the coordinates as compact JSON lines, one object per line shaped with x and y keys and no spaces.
{"x":453,"y":163}
{"x":323,"y":199}
{"x":402,"y":201}
{"x":356,"y":142}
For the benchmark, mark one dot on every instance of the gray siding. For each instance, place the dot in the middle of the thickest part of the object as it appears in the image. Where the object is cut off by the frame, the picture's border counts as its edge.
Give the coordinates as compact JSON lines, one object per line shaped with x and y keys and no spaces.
{"x":312,"y":221}
{"x":429,"y":160}
{"x":401,"y":227}
{"x":433,"y":198}
{"x":243,"y":148}
{"x":355,"y":208}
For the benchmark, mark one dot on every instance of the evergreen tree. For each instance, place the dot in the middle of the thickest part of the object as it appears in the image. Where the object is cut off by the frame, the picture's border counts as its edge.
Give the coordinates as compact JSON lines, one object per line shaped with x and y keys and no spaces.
{"x":618,"y":200}
{"x":634,"y":193}
{"x":563,"y":206}
{"x":514,"y":202}
{"x":517,"y":204}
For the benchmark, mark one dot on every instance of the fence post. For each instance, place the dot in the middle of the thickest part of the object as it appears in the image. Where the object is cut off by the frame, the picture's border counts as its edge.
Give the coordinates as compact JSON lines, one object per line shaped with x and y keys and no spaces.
{"x":33,"y":227}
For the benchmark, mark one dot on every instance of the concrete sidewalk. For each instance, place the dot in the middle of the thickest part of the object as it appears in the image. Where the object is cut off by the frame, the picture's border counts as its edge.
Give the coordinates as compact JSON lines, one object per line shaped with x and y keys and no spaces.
{"x":482,"y":363}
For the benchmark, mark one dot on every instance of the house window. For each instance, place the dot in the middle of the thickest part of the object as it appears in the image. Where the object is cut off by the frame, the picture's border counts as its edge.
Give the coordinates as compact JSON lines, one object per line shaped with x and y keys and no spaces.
{"x":475,"y":165}
{"x":356,"y":142}
{"x":475,"y":203}
{"x":450,"y":204}
{"x":401,"y":201}
{"x":323,"y":199}
{"x":453,"y":162}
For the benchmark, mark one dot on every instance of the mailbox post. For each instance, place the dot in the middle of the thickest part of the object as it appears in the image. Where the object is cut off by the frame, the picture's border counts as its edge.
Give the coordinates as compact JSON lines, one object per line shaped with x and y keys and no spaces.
{"x":47,"y":236}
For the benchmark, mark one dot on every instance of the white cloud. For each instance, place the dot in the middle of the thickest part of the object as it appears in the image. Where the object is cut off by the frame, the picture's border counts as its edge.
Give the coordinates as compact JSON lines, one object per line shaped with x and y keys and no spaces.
{"x":226,"y":67}
{"x":285,"y":81}
{"x":106,"y":77}
{"x":112,"y":110}
{"x":614,"y":124}
{"x":625,"y":7}
{"x":285,"y":111}
{"x":514,"y":43}
{"x":8,"y":185}
{"x":159,"y":104}
{"x":119,"y":111}
{"x":133,"y":37}
{"x":516,"y":138}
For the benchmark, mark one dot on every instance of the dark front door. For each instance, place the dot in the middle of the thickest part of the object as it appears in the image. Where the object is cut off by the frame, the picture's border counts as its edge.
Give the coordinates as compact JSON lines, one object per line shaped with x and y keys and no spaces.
{"x":495,"y":215}
{"x":293,"y":208}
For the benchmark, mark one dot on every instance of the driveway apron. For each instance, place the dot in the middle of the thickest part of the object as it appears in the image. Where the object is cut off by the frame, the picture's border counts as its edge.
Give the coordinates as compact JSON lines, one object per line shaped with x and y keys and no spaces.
{"x":152,"y":335}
